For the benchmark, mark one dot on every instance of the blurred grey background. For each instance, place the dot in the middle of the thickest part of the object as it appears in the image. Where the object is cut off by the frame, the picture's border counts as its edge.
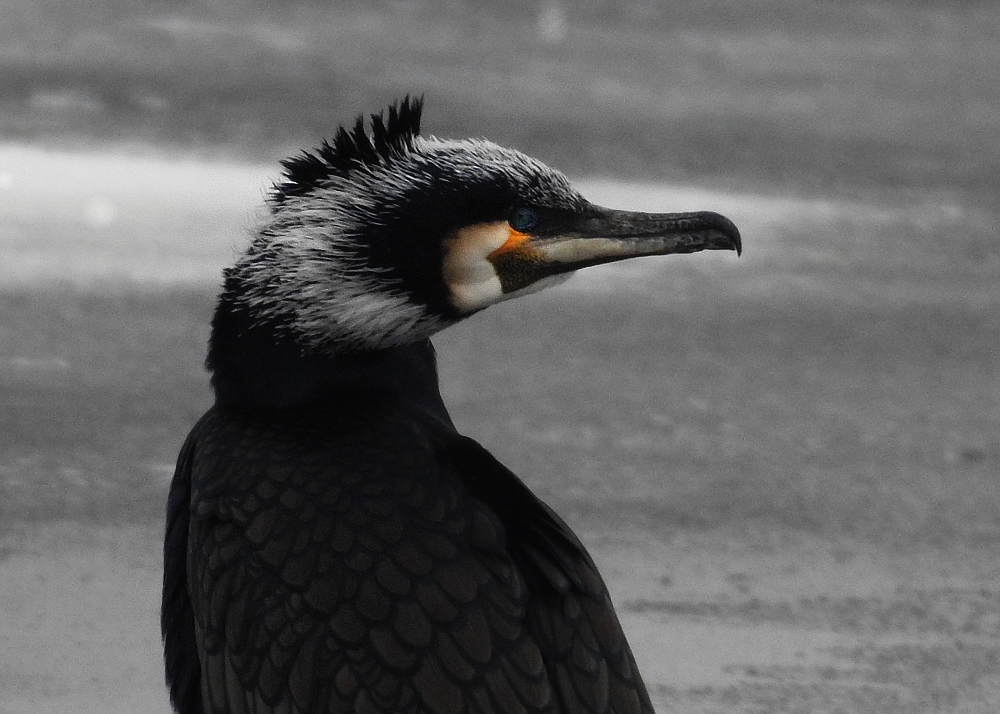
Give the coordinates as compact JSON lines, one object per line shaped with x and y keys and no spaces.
{"x":787,"y":465}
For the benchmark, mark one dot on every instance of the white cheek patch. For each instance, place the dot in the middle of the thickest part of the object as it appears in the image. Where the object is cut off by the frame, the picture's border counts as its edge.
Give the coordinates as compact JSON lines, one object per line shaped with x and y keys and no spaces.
{"x":468,"y":272}
{"x":472,"y":278}
{"x":476,"y":296}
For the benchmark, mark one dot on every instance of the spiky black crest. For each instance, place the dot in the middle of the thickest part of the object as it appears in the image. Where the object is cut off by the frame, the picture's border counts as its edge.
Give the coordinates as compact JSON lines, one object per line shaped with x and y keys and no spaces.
{"x":352,"y":149}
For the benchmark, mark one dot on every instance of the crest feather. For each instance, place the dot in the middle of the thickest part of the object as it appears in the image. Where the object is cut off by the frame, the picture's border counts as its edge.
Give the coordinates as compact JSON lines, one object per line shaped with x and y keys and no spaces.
{"x":352,"y":149}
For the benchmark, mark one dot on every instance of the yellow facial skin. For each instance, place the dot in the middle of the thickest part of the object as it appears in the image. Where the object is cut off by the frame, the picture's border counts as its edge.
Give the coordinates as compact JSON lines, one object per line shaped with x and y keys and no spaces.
{"x":515,"y":239}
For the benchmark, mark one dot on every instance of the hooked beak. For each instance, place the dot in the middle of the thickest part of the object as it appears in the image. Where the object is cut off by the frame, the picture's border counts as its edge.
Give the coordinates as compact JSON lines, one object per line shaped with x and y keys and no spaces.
{"x":605,"y":235}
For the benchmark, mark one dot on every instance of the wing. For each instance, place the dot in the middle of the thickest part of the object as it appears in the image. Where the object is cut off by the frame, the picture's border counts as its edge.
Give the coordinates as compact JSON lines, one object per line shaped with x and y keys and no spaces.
{"x":569,"y":611}
{"x":337,"y":568}
{"x":364,"y":567}
{"x":183,"y":670}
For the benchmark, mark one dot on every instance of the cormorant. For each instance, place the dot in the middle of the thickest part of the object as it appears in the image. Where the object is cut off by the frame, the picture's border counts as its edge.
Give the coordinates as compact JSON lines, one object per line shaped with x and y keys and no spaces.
{"x":333,"y":544}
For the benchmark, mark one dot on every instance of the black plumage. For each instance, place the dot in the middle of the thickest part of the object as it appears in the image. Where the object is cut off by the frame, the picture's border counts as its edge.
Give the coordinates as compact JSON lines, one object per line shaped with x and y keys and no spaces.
{"x":352,"y":149}
{"x":333,"y":544}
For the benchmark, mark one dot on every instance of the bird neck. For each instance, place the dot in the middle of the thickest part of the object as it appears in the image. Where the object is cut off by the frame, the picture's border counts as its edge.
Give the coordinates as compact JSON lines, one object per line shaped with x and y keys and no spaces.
{"x":259,"y":366}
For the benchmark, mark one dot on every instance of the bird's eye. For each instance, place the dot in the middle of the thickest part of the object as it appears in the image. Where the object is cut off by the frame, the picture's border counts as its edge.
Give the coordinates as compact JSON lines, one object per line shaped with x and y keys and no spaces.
{"x":523,"y":219}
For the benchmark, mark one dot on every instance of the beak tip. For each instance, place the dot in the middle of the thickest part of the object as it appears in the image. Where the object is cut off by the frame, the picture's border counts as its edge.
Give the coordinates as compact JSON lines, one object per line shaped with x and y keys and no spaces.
{"x":729,"y":231}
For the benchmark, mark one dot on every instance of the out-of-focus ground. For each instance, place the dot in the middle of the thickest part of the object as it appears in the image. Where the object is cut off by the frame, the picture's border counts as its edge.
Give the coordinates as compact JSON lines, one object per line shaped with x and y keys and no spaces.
{"x":786,"y":465}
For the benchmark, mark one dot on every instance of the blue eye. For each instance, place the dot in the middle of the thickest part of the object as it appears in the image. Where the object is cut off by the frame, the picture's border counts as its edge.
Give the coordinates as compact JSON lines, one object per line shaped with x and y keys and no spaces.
{"x":523,"y":219}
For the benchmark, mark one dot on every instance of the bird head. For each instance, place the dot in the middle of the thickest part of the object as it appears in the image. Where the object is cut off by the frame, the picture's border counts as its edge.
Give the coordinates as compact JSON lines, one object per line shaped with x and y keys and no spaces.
{"x":382,"y":237}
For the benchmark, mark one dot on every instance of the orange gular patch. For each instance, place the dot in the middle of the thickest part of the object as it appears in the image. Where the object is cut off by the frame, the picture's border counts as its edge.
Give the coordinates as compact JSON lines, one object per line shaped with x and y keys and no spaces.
{"x":515,"y":239}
